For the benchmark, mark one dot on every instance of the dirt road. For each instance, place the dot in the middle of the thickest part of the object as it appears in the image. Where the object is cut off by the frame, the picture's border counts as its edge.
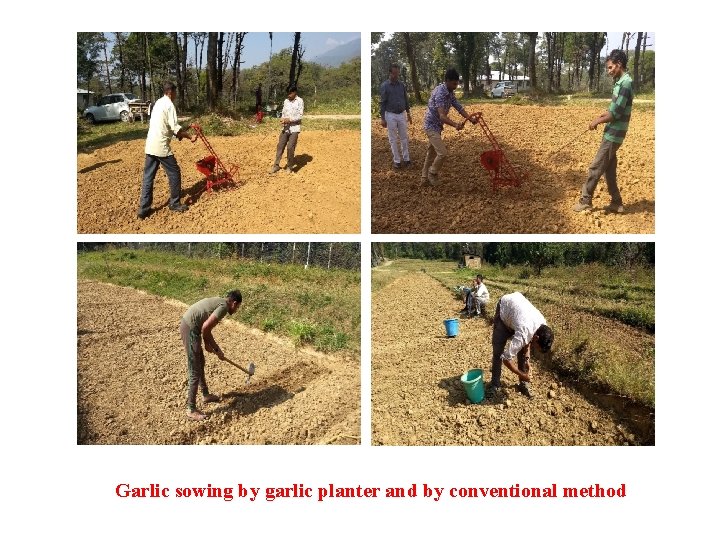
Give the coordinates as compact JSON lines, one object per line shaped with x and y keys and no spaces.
{"x":418,"y":399}
{"x":529,"y":135}
{"x":132,"y":380}
{"x":323,"y":196}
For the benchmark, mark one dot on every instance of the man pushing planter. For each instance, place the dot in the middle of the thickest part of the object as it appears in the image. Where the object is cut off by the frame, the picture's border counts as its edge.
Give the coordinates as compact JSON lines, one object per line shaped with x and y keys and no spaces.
{"x":517,"y":320}
{"x":195,"y":327}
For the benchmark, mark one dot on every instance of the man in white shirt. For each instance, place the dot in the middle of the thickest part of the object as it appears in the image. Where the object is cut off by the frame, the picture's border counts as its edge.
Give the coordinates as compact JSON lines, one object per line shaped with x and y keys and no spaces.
{"x":292,"y":113}
{"x":519,"y":321}
{"x":163,"y":125}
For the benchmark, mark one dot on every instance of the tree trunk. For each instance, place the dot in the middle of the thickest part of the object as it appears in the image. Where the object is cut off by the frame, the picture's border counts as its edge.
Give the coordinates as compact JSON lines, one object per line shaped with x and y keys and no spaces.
{"x":239,"y":37}
{"x":636,"y":70}
{"x":183,"y":69}
{"x":149,"y":66}
{"x":107,"y":65}
{"x":219,"y":69}
{"x":211,"y":77}
{"x":551,"y":60}
{"x":294,"y":60}
{"x":560,"y":51}
{"x":593,"y":54}
{"x":119,"y":41}
{"x":413,"y":66}
{"x":531,"y":58}
{"x":176,"y":54}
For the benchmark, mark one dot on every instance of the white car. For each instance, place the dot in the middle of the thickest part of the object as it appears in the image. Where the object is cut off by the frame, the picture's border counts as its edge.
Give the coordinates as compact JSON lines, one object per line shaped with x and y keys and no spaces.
{"x":110,"y":107}
{"x":503,"y":89}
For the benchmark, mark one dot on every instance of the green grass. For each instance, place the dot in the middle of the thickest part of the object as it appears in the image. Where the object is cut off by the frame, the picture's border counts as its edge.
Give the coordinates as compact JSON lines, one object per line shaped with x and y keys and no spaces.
{"x":93,"y":136}
{"x":315,"y":307}
{"x":603,"y":318}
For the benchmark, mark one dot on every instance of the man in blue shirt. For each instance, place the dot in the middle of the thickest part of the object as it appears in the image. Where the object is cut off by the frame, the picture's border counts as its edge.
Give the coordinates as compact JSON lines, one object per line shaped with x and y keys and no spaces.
{"x":441,"y":99}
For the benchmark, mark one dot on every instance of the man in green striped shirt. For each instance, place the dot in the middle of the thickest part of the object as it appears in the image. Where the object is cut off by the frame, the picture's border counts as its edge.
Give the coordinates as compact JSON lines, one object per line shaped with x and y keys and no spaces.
{"x":617,"y":118}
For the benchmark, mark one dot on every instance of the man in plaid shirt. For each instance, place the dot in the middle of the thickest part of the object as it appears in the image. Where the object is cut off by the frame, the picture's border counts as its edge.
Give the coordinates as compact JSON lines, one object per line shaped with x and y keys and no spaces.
{"x":617,"y":118}
{"x":441,"y":99}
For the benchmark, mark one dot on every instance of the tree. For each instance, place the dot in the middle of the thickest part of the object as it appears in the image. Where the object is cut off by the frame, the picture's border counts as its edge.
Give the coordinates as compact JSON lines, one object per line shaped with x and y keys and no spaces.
{"x":532,"y":36}
{"x":294,"y":61}
{"x":88,"y":48}
{"x":239,"y":38}
{"x":413,"y":65}
{"x":636,"y":78}
{"x":107,"y":63}
{"x":212,"y":89}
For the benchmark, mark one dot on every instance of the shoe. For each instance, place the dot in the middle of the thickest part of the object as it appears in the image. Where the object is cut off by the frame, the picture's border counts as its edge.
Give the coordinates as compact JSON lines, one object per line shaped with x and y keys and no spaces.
{"x":493,"y":392}
{"x":524,"y":388}
{"x":615,"y":208}
{"x":179,"y":208}
{"x":433,"y":179}
{"x":196,"y":415}
{"x":581,"y":206}
{"x":142,"y":214}
{"x":407,"y":164}
{"x":424,"y":181}
{"x":211,"y":398}
{"x":396,"y":166}
{"x":275,"y":168}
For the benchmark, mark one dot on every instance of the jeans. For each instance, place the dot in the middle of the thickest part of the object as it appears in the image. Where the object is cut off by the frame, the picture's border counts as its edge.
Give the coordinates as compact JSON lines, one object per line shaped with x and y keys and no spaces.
{"x":172,"y":170}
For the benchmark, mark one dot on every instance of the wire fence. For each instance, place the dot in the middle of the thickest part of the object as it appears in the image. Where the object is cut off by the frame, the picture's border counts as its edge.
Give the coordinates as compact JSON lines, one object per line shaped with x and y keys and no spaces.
{"x":309,"y":254}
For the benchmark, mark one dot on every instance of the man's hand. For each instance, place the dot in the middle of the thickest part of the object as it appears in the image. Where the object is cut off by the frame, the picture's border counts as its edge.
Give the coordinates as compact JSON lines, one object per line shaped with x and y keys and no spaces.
{"x":525,"y":377}
{"x":383,"y":123}
{"x":459,"y":125}
{"x":594,"y":124}
{"x":409,"y":118}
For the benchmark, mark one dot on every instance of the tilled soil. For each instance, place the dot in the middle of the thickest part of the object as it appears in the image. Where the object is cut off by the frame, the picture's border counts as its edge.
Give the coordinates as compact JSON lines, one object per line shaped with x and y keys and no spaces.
{"x":323,"y":196}
{"x":417,"y":396}
{"x":465,"y":202}
{"x":132,"y":380}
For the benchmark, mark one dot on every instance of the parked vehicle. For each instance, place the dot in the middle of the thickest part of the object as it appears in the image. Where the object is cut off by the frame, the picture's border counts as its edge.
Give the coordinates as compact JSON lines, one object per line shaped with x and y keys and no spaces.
{"x":503,"y":89}
{"x":111,"y":107}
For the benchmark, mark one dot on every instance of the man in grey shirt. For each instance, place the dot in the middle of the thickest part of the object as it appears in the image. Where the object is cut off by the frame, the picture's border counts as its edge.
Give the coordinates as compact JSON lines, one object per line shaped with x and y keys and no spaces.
{"x":395,"y":116}
{"x":195,"y":327}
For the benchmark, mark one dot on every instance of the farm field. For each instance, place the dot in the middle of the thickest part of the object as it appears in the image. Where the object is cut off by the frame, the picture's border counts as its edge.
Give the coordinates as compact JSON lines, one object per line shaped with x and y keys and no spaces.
{"x":323,"y":196}
{"x":595,"y":388}
{"x":132,"y":377}
{"x":530,"y":136}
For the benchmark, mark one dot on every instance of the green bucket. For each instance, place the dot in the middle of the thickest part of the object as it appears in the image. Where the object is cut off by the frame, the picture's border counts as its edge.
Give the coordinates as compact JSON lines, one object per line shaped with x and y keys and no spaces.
{"x":474,"y":387}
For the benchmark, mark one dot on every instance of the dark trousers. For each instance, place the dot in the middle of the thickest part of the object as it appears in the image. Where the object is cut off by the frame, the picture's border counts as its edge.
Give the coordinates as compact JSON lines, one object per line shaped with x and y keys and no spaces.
{"x":605,"y":162}
{"x":501,"y":333}
{"x":290,"y":140}
{"x":172,"y":170}
{"x":195,"y":363}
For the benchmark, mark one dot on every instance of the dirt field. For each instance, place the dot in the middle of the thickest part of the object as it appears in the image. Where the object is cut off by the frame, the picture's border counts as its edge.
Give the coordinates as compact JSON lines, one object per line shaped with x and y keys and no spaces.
{"x":417,"y":396}
{"x":132,"y":380}
{"x":465,"y":202}
{"x":323,"y":196}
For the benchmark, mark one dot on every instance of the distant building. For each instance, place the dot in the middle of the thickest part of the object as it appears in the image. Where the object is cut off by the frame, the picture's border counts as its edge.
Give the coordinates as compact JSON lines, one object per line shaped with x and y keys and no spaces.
{"x":520,"y":81}
{"x":83,"y":98}
{"x":472,"y":261}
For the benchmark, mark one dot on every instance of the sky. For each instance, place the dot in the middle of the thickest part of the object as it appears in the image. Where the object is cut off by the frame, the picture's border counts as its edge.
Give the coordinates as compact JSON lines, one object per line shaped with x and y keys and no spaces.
{"x":257,"y":44}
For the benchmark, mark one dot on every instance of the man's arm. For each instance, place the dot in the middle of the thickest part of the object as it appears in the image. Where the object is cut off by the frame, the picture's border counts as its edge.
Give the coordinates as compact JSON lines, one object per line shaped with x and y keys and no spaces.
{"x":604,"y":118}
{"x":407,"y":105}
{"x":525,"y":377}
{"x":445,"y":119}
{"x":210,"y":343}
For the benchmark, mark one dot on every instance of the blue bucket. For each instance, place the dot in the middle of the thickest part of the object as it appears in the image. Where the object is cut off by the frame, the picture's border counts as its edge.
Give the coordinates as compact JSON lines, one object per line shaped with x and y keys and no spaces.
{"x":474,"y":387}
{"x":452,"y":327}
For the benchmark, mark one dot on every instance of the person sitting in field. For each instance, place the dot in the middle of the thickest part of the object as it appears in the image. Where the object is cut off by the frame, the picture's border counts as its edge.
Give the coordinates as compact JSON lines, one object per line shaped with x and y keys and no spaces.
{"x":475,"y":298}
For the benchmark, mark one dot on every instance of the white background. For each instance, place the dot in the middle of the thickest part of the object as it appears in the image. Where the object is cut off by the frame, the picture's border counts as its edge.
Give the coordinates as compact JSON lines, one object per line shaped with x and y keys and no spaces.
{"x":51,"y":486}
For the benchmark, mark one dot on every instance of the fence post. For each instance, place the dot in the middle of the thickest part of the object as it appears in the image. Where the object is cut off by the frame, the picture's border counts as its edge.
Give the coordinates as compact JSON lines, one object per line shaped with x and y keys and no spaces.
{"x":329,"y":255}
{"x":307,"y":263}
